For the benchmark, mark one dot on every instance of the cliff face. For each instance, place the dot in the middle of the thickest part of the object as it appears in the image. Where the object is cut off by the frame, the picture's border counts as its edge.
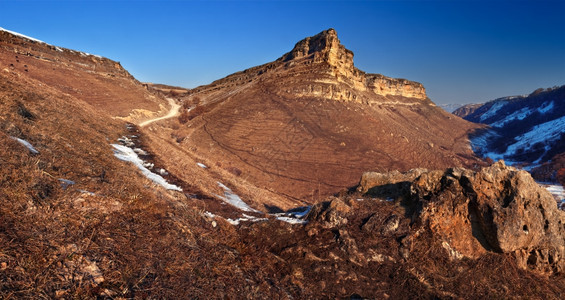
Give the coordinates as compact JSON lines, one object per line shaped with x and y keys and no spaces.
{"x":326,"y":48}
{"x":336,"y":77}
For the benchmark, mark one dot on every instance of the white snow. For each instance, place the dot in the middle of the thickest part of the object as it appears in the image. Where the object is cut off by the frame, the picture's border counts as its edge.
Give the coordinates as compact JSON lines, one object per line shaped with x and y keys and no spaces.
{"x":21,"y":35}
{"x":126,"y":141}
{"x":294,"y":217}
{"x":140,"y":151}
{"x":84,"y":54}
{"x":127,"y":154}
{"x":27,"y":144}
{"x":87,"y":192}
{"x":557,"y":191}
{"x":65,"y":183}
{"x":492,"y":110}
{"x":209,"y":214}
{"x":203,"y":166}
{"x":546,"y":107}
{"x":246,"y":218}
{"x":520,"y":115}
{"x":234,"y":200}
{"x":236,"y":221}
{"x":545,"y":133}
{"x":291,"y":220}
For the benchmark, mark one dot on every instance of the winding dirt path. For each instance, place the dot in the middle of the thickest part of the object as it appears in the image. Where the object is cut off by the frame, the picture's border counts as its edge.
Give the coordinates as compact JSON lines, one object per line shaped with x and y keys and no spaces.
{"x":172,"y":113}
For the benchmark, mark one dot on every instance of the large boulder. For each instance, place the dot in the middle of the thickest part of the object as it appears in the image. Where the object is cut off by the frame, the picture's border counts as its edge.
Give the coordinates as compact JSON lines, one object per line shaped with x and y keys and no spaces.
{"x":498,"y":209}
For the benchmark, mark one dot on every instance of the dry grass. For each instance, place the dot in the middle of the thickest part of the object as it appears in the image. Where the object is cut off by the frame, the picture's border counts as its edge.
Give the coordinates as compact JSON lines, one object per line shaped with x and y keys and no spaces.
{"x":132,"y":239}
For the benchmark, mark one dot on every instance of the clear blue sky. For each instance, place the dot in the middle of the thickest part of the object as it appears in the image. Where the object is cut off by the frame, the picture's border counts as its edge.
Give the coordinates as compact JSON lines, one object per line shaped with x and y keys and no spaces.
{"x":462,"y":51}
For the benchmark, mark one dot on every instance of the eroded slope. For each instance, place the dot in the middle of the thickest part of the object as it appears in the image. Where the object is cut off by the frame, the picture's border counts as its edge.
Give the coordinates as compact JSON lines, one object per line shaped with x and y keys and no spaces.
{"x":309,"y":123}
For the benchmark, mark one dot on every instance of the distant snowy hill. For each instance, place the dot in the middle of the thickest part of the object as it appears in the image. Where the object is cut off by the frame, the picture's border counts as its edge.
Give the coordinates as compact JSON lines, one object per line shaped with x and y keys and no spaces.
{"x":527,"y":130}
{"x":450,"y":107}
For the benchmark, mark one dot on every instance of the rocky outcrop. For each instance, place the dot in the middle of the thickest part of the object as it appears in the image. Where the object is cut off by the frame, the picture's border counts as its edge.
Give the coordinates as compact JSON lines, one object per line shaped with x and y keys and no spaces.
{"x":332,"y":213}
{"x":497,"y":209}
{"x":325,"y":47}
{"x":332,"y":61}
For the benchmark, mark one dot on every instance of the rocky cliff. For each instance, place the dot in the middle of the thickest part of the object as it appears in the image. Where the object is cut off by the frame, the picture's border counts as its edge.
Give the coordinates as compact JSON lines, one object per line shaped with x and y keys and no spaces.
{"x":338,"y":78}
{"x":325,"y":47}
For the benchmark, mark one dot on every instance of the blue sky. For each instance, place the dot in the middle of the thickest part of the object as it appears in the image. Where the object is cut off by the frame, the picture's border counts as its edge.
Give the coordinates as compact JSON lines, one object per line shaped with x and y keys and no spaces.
{"x":462,"y":51}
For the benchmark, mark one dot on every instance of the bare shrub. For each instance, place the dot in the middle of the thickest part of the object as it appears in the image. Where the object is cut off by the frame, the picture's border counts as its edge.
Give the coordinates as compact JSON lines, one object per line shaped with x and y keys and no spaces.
{"x":235,"y":171}
{"x":195,"y":112}
{"x":184,"y":117}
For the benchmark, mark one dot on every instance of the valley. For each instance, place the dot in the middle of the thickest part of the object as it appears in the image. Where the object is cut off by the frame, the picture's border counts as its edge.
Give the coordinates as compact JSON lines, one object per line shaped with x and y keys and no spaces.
{"x":301,"y":178}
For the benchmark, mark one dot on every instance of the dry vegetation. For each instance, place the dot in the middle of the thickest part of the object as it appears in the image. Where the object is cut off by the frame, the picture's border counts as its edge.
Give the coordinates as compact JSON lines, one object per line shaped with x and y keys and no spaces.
{"x":127,"y":239}
{"x":133,"y":240}
{"x":114,"y":234}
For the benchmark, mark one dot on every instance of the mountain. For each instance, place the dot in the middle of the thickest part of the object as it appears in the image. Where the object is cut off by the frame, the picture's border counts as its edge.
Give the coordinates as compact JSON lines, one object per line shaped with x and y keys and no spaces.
{"x":95,"y":206}
{"x":307,"y":124}
{"x":450,"y":107}
{"x":527,"y":130}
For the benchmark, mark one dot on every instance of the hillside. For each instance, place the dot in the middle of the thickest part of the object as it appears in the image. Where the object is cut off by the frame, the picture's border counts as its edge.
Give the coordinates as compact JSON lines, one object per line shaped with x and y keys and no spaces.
{"x":100,"y":82}
{"x":95,"y":207}
{"x":526,"y":130}
{"x":306,"y":125}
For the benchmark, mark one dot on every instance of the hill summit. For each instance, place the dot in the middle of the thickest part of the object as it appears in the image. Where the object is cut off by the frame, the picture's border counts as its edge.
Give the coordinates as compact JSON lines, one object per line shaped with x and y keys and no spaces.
{"x":325,"y":47}
{"x":307,"y":124}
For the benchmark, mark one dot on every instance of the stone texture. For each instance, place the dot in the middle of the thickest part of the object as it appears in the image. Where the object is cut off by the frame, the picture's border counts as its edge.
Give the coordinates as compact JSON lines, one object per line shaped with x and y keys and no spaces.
{"x":497,"y":209}
{"x":332,"y":213}
{"x":325,"y":47}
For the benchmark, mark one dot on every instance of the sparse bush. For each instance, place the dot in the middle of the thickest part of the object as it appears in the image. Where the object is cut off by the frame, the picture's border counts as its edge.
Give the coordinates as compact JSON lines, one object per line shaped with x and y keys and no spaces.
{"x":186,"y":104}
{"x":24,"y":112}
{"x":235,"y":171}
{"x":195,"y":112}
{"x":184,"y":117}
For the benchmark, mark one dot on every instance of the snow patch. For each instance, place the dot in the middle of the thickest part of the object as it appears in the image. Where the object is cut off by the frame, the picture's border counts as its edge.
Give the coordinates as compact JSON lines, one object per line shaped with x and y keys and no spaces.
{"x":87,"y":192}
{"x":546,"y":107}
{"x":139,"y":151}
{"x":27,"y":144}
{"x":231,"y":198}
{"x":557,"y":191}
{"x":84,"y":54}
{"x":209,"y":214}
{"x":246,"y":218}
{"x":295,"y":216}
{"x":22,"y":36}
{"x":543,"y":133}
{"x":65,"y":183}
{"x":127,"y":154}
{"x":203,"y":166}
{"x":292,"y":220}
{"x":520,"y":115}
{"x":492,"y":110}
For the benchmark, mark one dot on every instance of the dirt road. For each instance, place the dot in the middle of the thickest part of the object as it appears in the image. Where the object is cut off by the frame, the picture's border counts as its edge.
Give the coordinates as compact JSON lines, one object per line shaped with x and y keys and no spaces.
{"x":172,"y":113}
